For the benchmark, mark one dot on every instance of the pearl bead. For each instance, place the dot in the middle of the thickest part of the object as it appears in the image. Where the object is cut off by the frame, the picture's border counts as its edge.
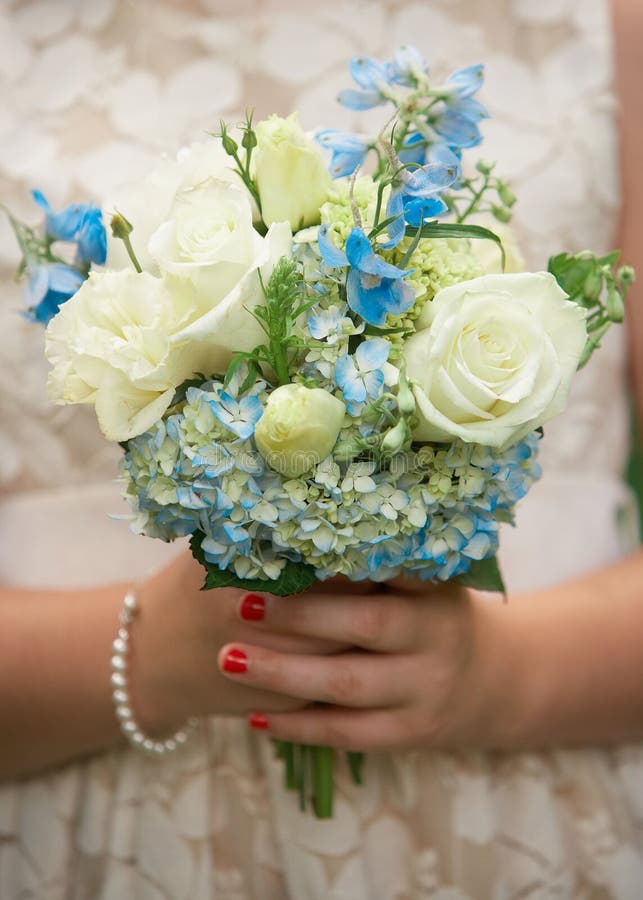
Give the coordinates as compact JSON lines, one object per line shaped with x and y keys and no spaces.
{"x":130,"y":728}
{"x":120,"y":697}
{"x":148,"y":744}
{"x":119,"y":680}
{"x":124,"y":713}
{"x":119,"y":646}
{"x":129,"y":602}
{"x":118,"y":664}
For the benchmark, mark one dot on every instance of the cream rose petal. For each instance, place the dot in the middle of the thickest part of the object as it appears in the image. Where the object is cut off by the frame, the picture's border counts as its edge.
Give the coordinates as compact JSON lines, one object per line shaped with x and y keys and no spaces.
{"x":493,"y":358}
{"x":229,"y":326}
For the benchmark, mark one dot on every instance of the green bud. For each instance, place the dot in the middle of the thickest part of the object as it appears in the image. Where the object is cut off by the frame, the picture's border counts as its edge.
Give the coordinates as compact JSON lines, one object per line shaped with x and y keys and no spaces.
{"x":249,"y":139}
{"x":593,"y":343}
{"x":614,"y":305}
{"x":229,"y":144}
{"x":593,"y":285}
{"x":506,"y":194}
{"x":626,"y":275}
{"x":501,"y":213}
{"x":120,"y":226}
{"x":485,"y":168}
{"x":405,"y":398}
{"x":396,"y":438}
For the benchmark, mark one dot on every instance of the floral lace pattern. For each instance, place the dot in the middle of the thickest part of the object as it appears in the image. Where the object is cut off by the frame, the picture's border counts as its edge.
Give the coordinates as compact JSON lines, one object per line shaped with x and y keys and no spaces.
{"x":94,"y":90}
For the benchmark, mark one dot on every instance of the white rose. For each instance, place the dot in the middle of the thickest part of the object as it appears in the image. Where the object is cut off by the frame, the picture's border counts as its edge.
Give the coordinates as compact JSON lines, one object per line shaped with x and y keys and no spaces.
{"x":208,"y":239}
{"x":146,"y":203}
{"x":290,"y":173}
{"x":299,"y":428}
{"x":111,"y":345}
{"x":493,"y":358}
{"x":228,"y":325}
{"x":127,"y":341}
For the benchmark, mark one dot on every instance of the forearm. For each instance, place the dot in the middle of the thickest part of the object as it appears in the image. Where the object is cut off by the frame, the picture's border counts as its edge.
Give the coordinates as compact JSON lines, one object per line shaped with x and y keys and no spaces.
{"x":565,"y":666}
{"x":55,"y":697}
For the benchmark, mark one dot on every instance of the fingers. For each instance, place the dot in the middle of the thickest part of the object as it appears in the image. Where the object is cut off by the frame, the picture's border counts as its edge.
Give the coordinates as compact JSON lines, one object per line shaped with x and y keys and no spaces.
{"x":386,"y":622}
{"x":346,"y":679}
{"x":343,"y":729}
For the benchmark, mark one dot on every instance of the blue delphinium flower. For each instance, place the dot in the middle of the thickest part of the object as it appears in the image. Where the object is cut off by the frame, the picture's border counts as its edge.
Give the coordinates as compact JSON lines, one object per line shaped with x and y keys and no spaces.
{"x":407,"y":67}
{"x":361,"y":376}
{"x":80,"y":223}
{"x":457,"y":124}
{"x":415,"y":196}
{"x":48,"y":287}
{"x":373,"y":77}
{"x":374,"y":288}
{"x":348,"y":150}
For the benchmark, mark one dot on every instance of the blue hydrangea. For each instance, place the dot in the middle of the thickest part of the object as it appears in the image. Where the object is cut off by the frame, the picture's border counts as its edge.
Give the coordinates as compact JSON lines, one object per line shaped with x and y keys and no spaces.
{"x":431,"y":512}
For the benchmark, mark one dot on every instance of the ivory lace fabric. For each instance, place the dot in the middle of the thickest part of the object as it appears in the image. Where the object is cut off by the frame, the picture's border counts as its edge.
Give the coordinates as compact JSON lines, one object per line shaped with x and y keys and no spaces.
{"x":92,"y":91}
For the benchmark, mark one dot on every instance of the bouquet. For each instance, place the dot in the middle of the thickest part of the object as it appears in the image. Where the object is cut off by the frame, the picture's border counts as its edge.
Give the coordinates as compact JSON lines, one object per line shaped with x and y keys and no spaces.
{"x":318,"y":355}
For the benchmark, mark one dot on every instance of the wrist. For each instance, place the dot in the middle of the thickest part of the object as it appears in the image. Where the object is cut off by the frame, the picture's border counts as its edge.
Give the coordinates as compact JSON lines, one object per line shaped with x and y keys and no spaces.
{"x":496,"y":703}
{"x":158,"y":700}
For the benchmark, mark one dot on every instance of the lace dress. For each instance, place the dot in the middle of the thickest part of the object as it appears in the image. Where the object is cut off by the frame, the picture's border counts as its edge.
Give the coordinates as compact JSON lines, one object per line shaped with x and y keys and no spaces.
{"x":92,"y":91}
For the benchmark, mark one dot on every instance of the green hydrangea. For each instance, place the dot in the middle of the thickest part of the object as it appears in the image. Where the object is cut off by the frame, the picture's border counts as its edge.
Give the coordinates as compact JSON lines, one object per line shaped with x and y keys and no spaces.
{"x":338,"y":212}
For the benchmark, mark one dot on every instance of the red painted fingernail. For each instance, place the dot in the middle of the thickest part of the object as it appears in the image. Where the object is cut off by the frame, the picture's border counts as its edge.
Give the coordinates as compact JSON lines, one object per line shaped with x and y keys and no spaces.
{"x":235,"y":661}
{"x":253,"y":608}
{"x":258,"y":720}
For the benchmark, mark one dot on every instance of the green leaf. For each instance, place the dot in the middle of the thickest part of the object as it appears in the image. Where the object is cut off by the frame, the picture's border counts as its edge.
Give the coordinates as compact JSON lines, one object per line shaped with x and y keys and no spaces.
{"x":180,"y":393}
{"x":294,"y":577}
{"x":484,"y":575}
{"x":456,"y":230}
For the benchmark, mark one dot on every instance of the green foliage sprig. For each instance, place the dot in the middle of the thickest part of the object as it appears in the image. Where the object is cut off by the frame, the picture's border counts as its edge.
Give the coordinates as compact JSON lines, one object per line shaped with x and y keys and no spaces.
{"x":594,"y":283}
{"x":35,"y":246}
{"x":285,"y":302}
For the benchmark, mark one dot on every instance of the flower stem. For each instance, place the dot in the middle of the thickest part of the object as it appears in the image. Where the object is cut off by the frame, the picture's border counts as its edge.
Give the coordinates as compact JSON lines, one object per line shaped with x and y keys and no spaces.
{"x":130,"y":252}
{"x":323,"y":761}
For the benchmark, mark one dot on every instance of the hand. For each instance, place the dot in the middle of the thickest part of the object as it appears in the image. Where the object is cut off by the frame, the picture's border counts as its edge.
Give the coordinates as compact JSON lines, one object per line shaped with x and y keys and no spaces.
{"x":175,"y":645}
{"x":417,"y":674}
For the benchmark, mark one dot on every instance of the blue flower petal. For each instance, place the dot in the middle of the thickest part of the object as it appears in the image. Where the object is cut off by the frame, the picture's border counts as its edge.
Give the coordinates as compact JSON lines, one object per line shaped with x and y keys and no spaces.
{"x":417,"y":211}
{"x":414,"y":149}
{"x":329,"y":253}
{"x":429,"y":179}
{"x":48,"y":287}
{"x":371,"y":303}
{"x":358,"y":100}
{"x":469,"y":107}
{"x":395,"y":207}
{"x":91,"y":237}
{"x":362,"y":257}
{"x":372,"y":354}
{"x":348,"y":380}
{"x":406,"y":62}
{"x":367,"y":72}
{"x":467,"y":81}
{"x":458,"y":130}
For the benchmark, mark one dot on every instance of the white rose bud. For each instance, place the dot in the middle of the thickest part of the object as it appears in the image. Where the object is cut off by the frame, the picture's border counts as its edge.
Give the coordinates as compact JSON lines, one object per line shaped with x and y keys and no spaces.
{"x":290,"y":173}
{"x":299,"y":428}
{"x":493,"y":358}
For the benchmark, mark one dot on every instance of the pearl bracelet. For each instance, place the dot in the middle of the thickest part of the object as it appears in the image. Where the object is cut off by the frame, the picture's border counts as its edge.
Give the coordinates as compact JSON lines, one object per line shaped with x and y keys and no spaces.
{"x":121,"y":695}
